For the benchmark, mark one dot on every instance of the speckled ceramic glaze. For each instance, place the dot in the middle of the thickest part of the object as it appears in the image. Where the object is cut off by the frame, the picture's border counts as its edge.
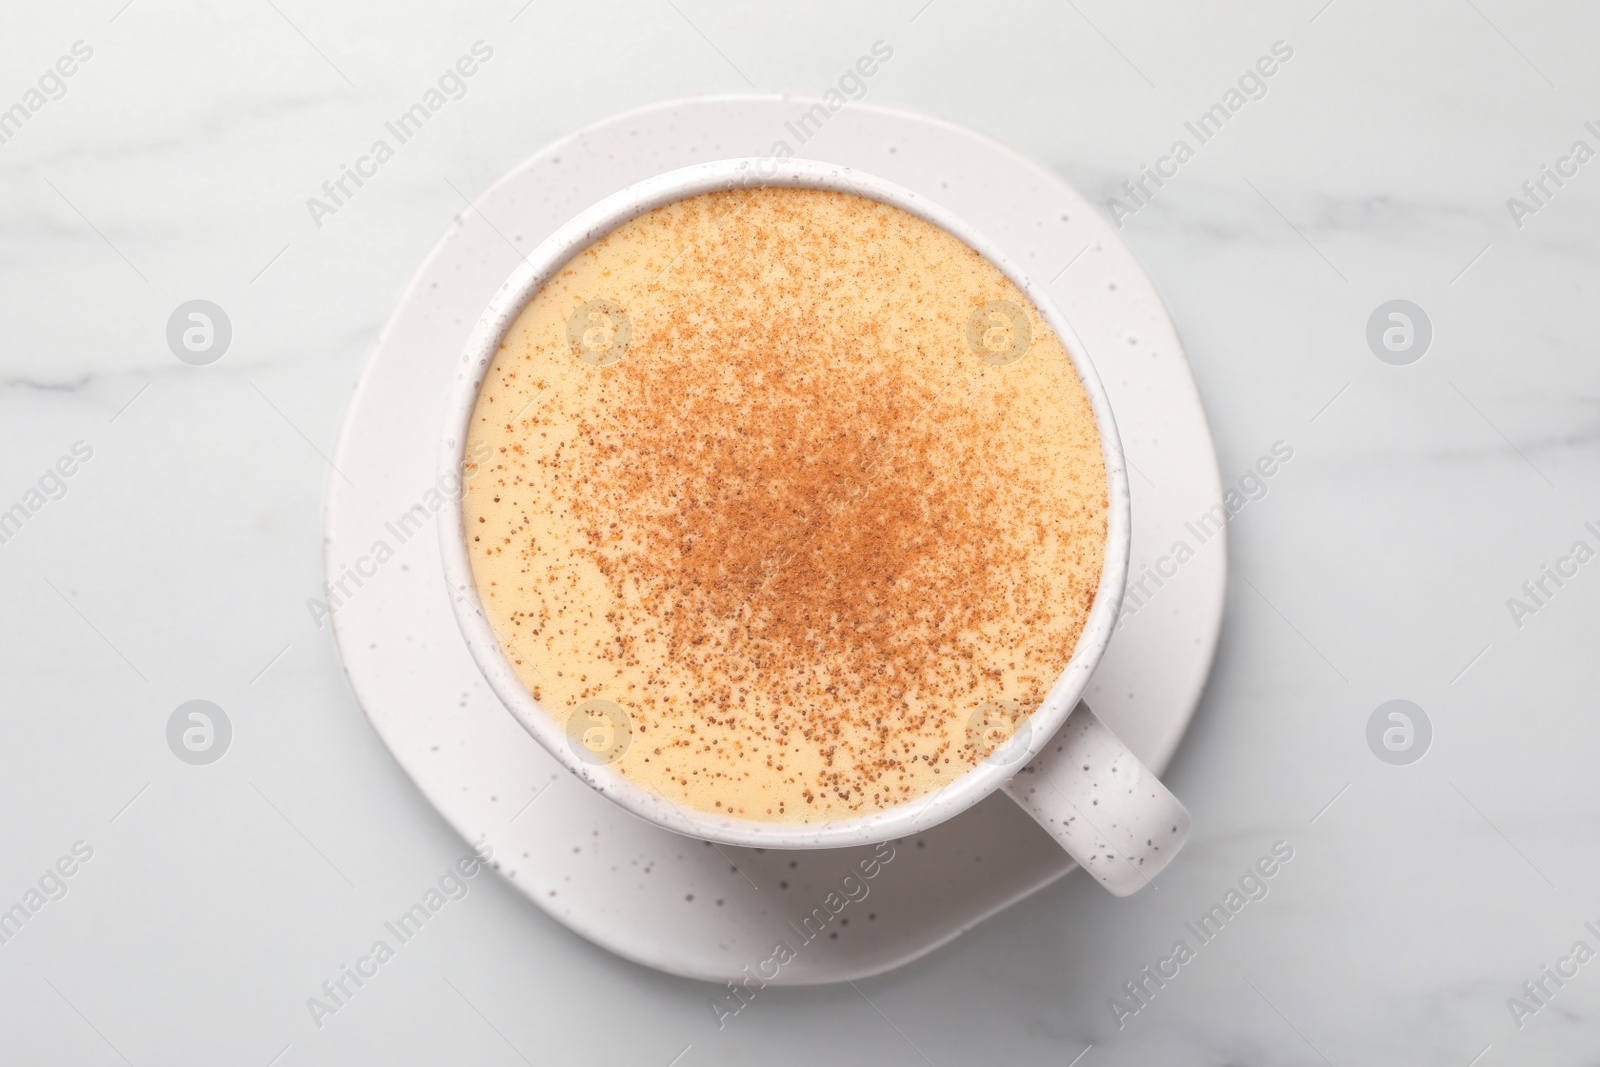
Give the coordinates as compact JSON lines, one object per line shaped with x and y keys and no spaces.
{"x":1117,"y":805}
{"x":694,"y":907}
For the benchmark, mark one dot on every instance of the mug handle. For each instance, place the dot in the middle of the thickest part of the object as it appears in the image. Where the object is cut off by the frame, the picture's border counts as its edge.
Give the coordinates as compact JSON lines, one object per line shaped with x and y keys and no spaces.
{"x":1108,"y":810}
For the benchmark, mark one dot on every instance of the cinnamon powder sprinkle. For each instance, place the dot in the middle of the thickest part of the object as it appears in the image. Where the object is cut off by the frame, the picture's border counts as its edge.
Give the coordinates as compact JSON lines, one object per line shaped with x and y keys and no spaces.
{"x":797,"y":528}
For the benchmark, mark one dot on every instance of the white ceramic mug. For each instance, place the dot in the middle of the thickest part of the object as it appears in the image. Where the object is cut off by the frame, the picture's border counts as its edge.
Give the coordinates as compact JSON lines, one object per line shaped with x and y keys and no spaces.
{"x":1110,"y":813}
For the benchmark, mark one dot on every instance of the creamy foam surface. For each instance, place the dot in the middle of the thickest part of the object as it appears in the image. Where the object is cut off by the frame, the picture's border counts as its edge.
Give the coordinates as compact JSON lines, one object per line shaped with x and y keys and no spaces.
{"x":795,"y":504}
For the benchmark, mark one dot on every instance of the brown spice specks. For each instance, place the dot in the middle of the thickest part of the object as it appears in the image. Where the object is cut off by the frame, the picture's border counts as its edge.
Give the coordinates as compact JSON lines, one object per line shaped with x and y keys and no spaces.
{"x":800,"y":532}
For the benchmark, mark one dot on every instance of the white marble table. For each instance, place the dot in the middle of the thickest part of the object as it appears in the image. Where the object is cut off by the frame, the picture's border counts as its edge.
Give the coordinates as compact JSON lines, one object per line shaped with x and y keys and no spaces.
{"x":174,"y":562}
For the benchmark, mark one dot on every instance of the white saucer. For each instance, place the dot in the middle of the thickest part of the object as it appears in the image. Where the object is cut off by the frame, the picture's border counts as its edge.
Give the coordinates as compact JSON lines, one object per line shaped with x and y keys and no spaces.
{"x":685,"y":906}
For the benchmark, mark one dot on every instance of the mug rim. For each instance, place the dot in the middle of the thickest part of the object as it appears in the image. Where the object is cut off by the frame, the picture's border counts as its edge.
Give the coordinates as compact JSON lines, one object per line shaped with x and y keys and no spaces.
{"x":544,"y":263}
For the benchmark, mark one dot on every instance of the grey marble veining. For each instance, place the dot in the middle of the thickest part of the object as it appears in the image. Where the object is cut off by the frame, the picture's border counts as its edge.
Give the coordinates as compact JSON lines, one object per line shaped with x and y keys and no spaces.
{"x":176,"y":561}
